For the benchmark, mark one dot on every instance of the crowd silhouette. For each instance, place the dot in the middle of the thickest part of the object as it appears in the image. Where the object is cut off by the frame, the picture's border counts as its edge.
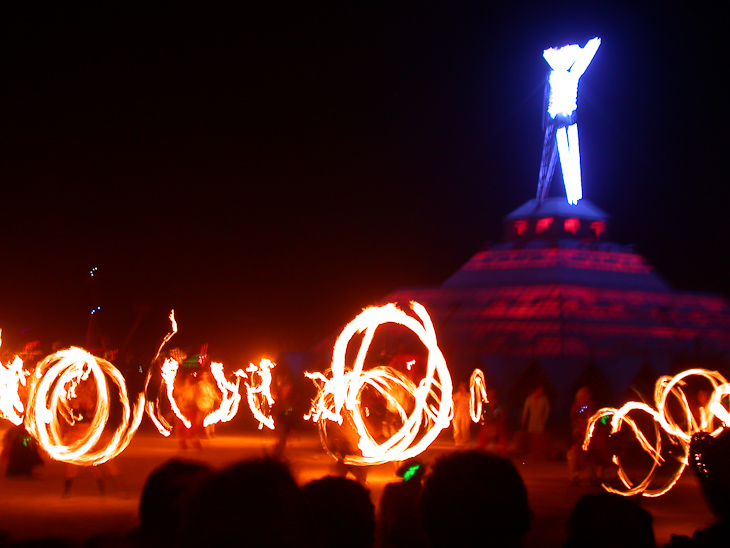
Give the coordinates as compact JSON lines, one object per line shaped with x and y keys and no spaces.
{"x":466,"y":498}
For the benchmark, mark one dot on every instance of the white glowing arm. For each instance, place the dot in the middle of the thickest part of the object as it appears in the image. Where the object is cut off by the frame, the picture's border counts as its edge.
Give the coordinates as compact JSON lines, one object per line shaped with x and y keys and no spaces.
{"x":585,"y":57}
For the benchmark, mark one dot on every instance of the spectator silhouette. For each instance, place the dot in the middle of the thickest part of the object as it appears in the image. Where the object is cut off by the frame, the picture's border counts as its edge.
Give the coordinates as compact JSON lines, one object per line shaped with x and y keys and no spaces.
{"x":165,"y":495}
{"x":343,"y":512}
{"x":473,"y":498}
{"x":252,"y":503}
{"x":607,"y":520}
{"x":709,"y":459}
{"x":399,"y":523}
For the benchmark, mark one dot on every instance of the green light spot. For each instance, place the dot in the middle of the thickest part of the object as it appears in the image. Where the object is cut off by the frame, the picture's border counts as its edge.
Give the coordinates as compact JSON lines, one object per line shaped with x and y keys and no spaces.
{"x":410,"y":472}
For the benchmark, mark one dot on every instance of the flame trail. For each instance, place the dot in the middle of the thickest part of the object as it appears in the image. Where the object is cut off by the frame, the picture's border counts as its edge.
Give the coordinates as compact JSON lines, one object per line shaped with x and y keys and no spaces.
{"x":477,"y":394}
{"x":12,"y":377}
{"x":678,"y":434}
{"x":153,"y":403}
{"x":50,"y":411}
{"x":341,"y":393}
{"x":258,"y":392}
{"x":230,"y":396}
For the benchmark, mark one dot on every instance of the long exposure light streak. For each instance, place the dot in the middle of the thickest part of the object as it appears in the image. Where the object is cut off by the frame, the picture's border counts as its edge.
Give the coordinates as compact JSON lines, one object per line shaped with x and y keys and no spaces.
{"x":153,"y":400}
{"x":679,"y":430}
{"x":169,"y":372}
{"x":164,"y":384}
{"x":477,"y":394}
{"x":12,"y":377}
{"x":230,"y":397}
{"x":424,"y":409}
{"x":258,"y":392}
{"x":72,"y":433}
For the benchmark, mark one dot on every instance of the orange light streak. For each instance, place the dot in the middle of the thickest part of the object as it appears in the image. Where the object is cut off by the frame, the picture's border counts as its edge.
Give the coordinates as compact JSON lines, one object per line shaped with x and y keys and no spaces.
{"x":50,"y":412}
{"x":230,"y":397}
{"x":153,"y":402}
{"x":477,"y":394}
{"x":169,"y":372}
{"x":12,"y":377}
{"x":258,"y":392}
{"x":340,"y":393}
{"x":679,"y":431}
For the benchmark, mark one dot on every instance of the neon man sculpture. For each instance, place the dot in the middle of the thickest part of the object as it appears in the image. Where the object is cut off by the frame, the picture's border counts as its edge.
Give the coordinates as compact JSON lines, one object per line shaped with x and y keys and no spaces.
{"x":568,"y":64}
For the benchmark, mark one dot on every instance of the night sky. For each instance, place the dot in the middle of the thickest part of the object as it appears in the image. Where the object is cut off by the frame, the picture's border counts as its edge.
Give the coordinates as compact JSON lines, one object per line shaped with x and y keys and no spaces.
{"x":270,"y":171}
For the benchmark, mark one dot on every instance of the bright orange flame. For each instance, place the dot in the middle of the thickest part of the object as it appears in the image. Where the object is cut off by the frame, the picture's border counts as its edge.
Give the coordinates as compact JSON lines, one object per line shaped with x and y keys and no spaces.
{"x":432,"y":398}
{"x":477,"y":393}
{"x":230,"y":397}
{"x":679,"y":434}
{"x":12,"y":377}
{"x":169,"y":372}
{"x":153,"y":402}
{"x":50,"y":408}
{"x":258,"y":392}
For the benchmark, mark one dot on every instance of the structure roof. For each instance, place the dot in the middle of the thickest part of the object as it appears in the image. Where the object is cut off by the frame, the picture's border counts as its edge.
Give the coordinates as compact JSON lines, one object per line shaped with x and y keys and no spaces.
{"x":545,"y":296}
{"x":558,"y":207}
{"x":545,"y":262}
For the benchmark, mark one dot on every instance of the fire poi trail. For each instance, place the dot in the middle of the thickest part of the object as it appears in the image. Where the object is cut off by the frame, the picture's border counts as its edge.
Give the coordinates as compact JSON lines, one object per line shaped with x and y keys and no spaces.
{"x":68,"y":408}
{"x":164,"y":384}
{"x":422,"y":409}
{"x":258,"y":392}
{"x":477,"y":394}
{"x":679,"y":430}
{"x":12,"y":377}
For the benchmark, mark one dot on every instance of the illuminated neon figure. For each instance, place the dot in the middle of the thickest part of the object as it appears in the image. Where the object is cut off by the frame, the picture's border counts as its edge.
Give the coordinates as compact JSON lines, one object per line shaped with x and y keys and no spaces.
{"x":568,"y":64}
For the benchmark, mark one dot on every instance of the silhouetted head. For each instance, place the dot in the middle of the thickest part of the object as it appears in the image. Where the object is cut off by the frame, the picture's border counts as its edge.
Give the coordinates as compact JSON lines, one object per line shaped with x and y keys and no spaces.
{"x":472,"y":498}
{"x":583,"y":394}
{"x":709,"y":458}
{"x":252,"y":503}
{"x":343,"y":510}
{"x":608,"y":520}
{"x":164,"y":497}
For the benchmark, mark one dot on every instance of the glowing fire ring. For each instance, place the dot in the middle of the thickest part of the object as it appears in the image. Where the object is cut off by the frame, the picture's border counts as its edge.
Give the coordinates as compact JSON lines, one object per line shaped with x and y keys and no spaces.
{"x":51,"y":392}
{"x":665,"y":387}
{"x":477,"y":394}
{"x":432,"y":398}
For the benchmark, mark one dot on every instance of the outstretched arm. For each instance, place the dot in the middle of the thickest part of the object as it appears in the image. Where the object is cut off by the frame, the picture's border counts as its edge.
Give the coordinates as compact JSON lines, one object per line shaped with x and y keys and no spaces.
{"x":585,"y":57}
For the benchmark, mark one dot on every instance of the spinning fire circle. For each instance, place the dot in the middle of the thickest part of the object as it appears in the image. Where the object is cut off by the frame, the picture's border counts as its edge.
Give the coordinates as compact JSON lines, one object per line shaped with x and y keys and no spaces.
{"x":679,"y":429}
{"x":422,"y":409}
{"x":57,"y":411}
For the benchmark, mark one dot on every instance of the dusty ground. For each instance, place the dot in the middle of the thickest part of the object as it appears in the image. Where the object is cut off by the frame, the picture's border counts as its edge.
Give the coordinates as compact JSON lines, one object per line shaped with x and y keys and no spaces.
{"x":34,"y":508}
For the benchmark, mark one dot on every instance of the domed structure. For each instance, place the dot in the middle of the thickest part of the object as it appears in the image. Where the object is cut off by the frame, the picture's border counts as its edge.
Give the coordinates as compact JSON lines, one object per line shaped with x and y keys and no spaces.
{"x":557,"y":302}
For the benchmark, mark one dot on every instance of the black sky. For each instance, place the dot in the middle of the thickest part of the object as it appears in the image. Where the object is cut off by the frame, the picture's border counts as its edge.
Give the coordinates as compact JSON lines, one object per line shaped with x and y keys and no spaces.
{"x":270,"y":171}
